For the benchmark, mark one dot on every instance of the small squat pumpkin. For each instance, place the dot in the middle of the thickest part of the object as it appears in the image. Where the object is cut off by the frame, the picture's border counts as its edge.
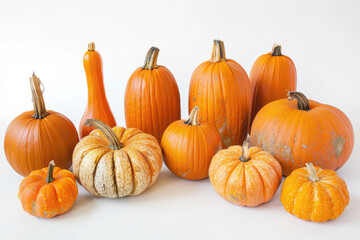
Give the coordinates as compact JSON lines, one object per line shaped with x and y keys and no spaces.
{"x":189,"y":146}
{"x":48,"y":192}
{"x":245,"y":176}
{"x":315,"y":194}
{"x":116,"y":162}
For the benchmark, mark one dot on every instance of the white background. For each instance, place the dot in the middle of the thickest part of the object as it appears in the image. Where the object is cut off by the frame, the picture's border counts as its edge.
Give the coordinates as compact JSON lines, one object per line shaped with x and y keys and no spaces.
{"x":50,"y":38}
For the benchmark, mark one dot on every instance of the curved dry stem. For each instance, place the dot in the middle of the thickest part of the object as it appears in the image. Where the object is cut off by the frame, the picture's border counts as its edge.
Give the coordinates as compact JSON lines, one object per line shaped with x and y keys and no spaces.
{"x":194,"y":117}
{"x":313,"y":176}
{"x":303,"y":102}
{"x":218,"y":52}
{"x":151,"y":58}
{"x":245,"y":152}
{"x":37,"y":98}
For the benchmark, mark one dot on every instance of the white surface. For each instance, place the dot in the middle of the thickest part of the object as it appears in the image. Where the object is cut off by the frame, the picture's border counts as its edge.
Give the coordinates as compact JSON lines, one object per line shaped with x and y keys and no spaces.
{"x":50,"y":38}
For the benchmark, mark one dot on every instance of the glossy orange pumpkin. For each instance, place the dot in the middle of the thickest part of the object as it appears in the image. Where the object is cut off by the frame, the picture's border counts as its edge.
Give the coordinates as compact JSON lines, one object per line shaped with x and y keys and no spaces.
{"x":272,"y":76}
{"x":97,"y":105}
{"x":315,"y":194}
{"x":36,"y":137}
{"x":152,"y":98}
{"x":301,"y":131}
{"x":245,"y":176}
{"x":116,"y":162}
{"x":221,"y":88}
{"x":48,"y":192}
{"x":189,"y":146}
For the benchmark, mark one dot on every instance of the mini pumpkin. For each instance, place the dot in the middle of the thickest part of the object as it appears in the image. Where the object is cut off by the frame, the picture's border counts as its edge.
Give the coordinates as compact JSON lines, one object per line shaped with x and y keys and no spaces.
{"x":48,"y":192}
{"x":315,"y":194}
{"x":189,"y":146}
{"x":301,"y":131}
{"x":116,"y":162}
{"x":245,"y":176}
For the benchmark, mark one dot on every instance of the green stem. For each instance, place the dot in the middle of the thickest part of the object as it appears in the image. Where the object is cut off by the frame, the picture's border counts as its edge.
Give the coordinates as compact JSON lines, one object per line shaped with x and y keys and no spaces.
{"x":50,"y":178}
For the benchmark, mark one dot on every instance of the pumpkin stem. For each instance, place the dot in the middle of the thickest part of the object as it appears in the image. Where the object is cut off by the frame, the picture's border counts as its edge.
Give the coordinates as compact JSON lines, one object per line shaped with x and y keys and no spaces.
{"x":303,"y":102}
{"x":50,"y":178}
{"x":115,"y":144}
{"x":276,"y":51}
{"x":218,"y":51}
{"x":91,"y":46}
{"x":37,"y":98}
{"x":194,"y":117}
{"x":245,"y":152}
{"x":313,"y":176}
{"x":151,"y":58}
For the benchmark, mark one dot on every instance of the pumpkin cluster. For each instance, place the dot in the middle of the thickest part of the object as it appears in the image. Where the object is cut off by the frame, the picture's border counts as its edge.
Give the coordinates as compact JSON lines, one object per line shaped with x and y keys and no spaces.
{"x":290,"y":135}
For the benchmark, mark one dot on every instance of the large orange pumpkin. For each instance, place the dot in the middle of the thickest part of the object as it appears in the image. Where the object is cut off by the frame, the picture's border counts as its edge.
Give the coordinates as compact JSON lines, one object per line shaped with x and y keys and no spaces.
{"x":152,"y":98}
{"x":34,"y":138}
{"x":245,"y":176}
{"x":97,"y":104}
{"x":189,"y":146}
{"x":315,"y":194}
{"x":302,"y":131}
{"x":48,"y":192}
{"x":220,"y":87}
{"x":272,"y":76}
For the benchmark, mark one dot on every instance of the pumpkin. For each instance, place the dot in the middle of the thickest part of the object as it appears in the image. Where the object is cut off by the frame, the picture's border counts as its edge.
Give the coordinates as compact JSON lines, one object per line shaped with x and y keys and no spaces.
{"x":116,"y":162}
{"x":36,"y":137}
{"x":221,"y":88}
{"x":48,"y":192}
{"x":245,"y":176}
{"x":271,"y":76}
{"x":301,"y":131}
{"x":152,"y":98}
{"x":189,"y":146}
{"x":97,"y":105}
{"x":313,"y":193}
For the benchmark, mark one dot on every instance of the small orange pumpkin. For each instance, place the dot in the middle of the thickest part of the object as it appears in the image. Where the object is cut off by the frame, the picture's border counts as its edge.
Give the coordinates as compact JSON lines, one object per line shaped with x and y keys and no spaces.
{"x":245,"y":176}
{"x":188,"y":147}
{"x":48,"y":192}
{"x":315,"y":194}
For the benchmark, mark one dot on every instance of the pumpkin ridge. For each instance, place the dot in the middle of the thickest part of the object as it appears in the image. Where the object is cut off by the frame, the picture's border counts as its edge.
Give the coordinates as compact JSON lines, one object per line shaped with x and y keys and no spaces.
{"x":329,"y":196}
{"x":132,"y":171}
{"x":240,"y":165}
{"x":264,"y":200}
{"x":146,"y":160}
{"x":114,"y":173}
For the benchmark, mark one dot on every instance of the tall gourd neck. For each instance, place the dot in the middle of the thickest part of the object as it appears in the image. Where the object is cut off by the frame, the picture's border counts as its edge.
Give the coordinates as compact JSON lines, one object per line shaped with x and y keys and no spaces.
{"x":37,"y":98}
{"x":218,"y":52}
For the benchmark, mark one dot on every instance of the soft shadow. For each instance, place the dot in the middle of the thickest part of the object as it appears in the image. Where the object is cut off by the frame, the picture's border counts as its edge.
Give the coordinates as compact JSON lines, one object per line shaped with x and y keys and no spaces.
{"x":83,"y":203}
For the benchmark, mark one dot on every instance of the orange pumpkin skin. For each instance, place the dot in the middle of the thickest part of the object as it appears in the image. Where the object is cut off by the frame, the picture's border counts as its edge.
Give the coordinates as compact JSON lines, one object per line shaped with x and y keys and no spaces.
{"x":97,"y":105}
{"x":271,"y":76}
{"x":322,"y":135}
{"x":317,"y":201}
{"x":245,"y":183}
{"x":221,"y":88}
{"x":46,"y":200}
{"x":189,"y":147}
{"x":152,"y":98}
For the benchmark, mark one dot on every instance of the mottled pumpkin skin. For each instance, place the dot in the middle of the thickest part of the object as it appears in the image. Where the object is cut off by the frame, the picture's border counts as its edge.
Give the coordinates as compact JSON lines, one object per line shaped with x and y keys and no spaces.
{"x":188,"y":149}
{"x":30,"y":143}
{"x":152,"y":100}
{"x":104,"y":172}
{"x":46,"y":200}
{"x":323,"y":135}
{"x":222,"y":91}
{"x":315,"y":201}
{"x":248,"y":183}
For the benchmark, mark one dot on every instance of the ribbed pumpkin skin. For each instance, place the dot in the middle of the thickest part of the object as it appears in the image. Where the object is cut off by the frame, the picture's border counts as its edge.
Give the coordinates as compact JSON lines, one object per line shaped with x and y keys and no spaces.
{"x":188,"y":149}
{"x":152,"y":100}
{"x":248,"y":183}
{"x":271,"y":77}
{"x":97,"y":105}
{"x":30,"y":144}
{"x":323,"y":135}
{"x":222,"y":91}
{"x":318,"y":201}
{"x":47,"y":200}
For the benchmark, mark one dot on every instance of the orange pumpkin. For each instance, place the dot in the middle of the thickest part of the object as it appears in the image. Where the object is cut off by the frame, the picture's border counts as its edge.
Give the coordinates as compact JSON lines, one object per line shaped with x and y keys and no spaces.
{"x":221,"y":88}
{"x":272,"y":76}
{"x":97,"y":105}
{"x":152,"y":98}
{"x":36,"y":137}
{"x":116,"y":162}
{"x":48,"y":192}
{"x":315,"y":194}
{"x":189,"y":146}
{"x":245,"y":176}
{"x":297,"y":132}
